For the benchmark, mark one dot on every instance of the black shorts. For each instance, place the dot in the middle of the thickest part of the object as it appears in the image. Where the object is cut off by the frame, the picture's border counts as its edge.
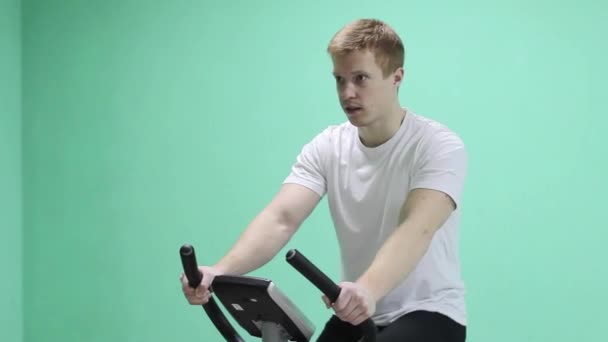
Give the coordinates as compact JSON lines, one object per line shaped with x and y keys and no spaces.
{"x":415,"y":326}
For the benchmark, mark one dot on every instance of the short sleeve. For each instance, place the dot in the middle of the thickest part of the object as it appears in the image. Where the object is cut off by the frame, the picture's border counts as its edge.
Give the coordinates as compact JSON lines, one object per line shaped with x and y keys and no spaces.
{"x":309,"y":168}
{"x":442,"y":165}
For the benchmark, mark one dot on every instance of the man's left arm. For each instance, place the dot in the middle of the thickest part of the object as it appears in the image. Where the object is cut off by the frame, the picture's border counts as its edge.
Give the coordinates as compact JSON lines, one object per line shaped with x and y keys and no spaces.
{"x":435,"y":192}
{"x":423,"y":213}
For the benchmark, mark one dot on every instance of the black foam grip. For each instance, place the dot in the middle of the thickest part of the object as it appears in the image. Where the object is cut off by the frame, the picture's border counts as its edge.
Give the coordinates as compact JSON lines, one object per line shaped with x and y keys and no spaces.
{"x":327,"y":287}
{"x":213,"y":311}
{"x":313,"y":274}
{"x":190,"y":265}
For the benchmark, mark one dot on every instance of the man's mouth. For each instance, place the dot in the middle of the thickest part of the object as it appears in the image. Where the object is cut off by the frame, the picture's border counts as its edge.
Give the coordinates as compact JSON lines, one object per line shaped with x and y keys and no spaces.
{"x":352,"y":109}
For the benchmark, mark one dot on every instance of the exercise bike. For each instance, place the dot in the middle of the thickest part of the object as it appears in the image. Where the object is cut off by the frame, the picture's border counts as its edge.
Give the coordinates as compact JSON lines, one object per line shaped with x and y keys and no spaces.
{"x":259,"y":306}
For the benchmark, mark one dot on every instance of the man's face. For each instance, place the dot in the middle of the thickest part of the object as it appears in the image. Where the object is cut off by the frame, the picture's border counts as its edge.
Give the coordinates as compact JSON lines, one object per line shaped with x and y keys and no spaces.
{"x":364,"y":93}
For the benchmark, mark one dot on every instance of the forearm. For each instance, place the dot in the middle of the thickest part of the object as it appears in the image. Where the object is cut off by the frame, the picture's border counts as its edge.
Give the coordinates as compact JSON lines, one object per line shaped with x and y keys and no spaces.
{"x":423,"y":213}
{"x":396,"y":259}
{"x":257,"y":245}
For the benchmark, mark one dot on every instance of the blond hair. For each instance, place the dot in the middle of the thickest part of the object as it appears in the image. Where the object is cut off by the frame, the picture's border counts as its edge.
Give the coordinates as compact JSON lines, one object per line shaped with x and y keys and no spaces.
{"x":373,"y":35}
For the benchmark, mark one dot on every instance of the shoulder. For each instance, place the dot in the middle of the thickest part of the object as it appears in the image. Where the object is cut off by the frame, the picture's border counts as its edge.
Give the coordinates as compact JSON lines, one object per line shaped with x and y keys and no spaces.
{"x":333,"y":134}
{"x":441,"y":160}
{"x":434,"y":137}
{"x":319,"y":145}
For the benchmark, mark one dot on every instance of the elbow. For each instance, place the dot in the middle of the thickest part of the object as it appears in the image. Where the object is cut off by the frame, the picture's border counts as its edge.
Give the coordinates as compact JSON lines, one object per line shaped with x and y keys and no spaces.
{"x":423,"y":233}
{"x":282,"y":221}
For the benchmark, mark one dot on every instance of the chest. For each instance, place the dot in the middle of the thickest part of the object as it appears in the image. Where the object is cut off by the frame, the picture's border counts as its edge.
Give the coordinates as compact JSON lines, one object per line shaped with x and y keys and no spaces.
{"x":373,"y":189}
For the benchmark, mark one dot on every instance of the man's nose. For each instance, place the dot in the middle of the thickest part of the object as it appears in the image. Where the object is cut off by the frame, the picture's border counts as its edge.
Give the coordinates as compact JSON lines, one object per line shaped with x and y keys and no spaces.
{"x":347,"y":91}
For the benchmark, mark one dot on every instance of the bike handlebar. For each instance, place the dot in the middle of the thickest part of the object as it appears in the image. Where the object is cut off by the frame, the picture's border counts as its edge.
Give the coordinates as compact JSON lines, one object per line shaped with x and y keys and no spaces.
{"x":214,"y":312}
{"x":293,"y":257}
{"x":327,"y":287}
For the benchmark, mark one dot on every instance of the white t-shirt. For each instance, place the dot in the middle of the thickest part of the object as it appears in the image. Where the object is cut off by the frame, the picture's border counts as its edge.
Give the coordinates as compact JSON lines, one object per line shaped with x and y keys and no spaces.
{"x":366,"y":188}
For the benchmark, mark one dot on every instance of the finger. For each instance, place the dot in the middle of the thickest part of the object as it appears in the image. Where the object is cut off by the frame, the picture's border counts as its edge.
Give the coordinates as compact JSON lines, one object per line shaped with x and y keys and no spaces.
{"x":353,"y":303}
{"x":199,"y":297}
{"x":188,"y":291}
{"x":352,"y":312}
{"x":359,"y":319}
{"x":207,"y":279}
{"x":343,"y":300}
{"x":186,"y":288}
{"x":344,"y":311}
{"x":347,"y":309}
{"x":201,"y":292}
{"x":184,"y":280}
{"x":194,"y":300}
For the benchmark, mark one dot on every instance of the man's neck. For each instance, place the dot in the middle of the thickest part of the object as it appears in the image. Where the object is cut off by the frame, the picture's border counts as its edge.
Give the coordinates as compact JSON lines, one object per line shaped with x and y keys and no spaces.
{"x":382,"y":130}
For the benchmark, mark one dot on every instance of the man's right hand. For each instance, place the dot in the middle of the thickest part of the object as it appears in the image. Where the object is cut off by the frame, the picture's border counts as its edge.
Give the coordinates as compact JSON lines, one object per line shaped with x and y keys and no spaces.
{"x":201,"y":294}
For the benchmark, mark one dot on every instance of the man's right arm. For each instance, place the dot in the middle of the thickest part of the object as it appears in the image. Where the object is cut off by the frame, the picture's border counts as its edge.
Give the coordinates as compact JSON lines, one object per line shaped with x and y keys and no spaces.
{"x":270,"y":230}
{"x":274,"y":226}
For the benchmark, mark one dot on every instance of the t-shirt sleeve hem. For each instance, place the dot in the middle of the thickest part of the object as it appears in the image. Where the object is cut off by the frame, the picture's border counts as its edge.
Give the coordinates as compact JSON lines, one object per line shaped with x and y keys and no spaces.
{"x":306,"y":183}
{"x":453,"y":193}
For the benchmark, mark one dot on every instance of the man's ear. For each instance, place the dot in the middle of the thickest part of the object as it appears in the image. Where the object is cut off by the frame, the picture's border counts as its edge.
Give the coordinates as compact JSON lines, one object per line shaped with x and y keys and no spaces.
{"x":398,"y":76}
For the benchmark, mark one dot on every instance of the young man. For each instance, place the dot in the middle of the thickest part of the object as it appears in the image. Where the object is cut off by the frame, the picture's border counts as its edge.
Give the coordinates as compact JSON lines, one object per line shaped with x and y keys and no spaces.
{"x":394,"y":182}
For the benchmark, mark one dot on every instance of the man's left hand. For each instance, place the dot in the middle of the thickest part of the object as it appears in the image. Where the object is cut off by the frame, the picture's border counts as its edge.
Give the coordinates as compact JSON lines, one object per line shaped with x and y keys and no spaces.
{"x":354,"y":305}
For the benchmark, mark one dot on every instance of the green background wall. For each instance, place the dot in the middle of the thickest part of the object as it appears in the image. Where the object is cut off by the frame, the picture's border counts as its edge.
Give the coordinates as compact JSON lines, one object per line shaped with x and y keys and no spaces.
{"x":147,"y":126}
{"x":11,"y":314}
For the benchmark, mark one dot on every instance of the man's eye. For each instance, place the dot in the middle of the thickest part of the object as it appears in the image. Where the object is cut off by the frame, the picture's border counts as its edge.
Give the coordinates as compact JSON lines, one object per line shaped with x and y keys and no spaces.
{"x":361,"y":77}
